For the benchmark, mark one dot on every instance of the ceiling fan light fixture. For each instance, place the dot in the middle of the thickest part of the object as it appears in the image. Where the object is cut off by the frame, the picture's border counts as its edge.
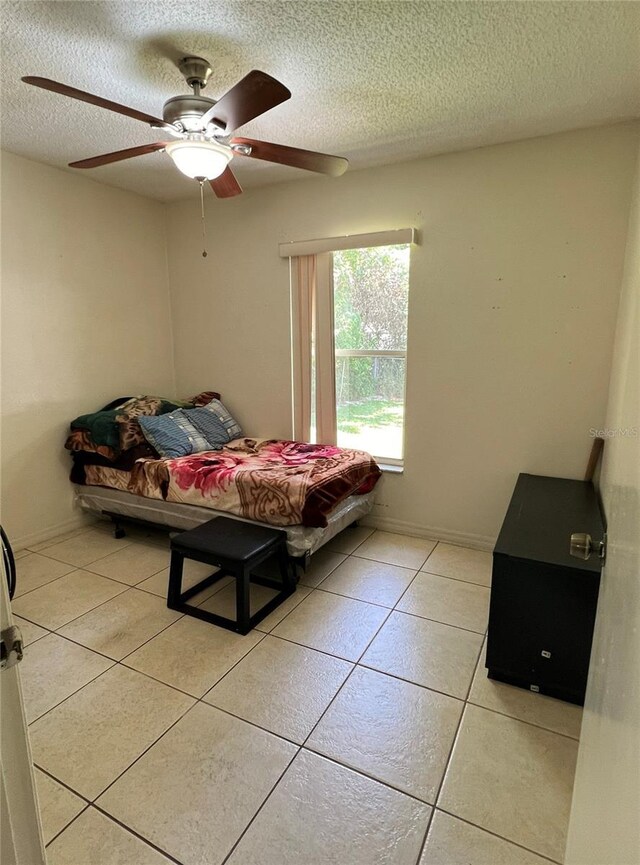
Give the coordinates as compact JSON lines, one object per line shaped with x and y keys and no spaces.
{"x":200,"y":159}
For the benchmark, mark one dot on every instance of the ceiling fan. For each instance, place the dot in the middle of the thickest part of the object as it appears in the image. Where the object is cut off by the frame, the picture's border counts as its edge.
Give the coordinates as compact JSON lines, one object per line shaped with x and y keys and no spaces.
{"x":203,"y":128}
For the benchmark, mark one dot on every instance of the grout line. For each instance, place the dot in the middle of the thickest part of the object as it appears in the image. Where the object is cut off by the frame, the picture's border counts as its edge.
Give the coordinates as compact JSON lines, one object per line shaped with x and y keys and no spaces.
{"x":330,"y":654}
{"x":43,"y":627}
{"x":439,"y":622}
{"x":86,"y":569}
{"x":311,"y":750}
{"x":358,"y":663}
{"x":351,"y":598}
{"x":495,"y":835}
{"x":121,"y":663}
{"x":224,"y":676}
{"x":264,"y":802}
{"x":115,"y":579}
{"x":61,"y":538}
{"x":109,"y":657}
{"x":125,"y":588}
{"x":86,"y":564}
{"x":357,"y":546}
{"x":33,"y":642}
{"x":451,"y":750}
{"x":62,"y":784}
{"x":125,"y":545}
{"x":328,"y":574}
{"x":200,"y":700}
{"x":457,"y":733}
{"x":286,"y":616}
{"x":155,"y":741}
{"x":390,"y":564}
{"x":364,"y":666}
{"x":320,"y":587}
{"x":299,"y":747}
{"x":431,"y":553}
{"x":251,"y":723}
{"x":456,"y":579}
{"x":315,"y":725}
{"x":159,"y":681}
{"x":426,"y":835}
{"x":521,"y":720}
{"x":64,"y":700}
{"x":312,"y":648}
{"x":142,"y":753}
{"x":219,"y":587}
{"x":66,"y":826}
{"x":134,"y":833}
{"x":114,"y":663}
{"x":413,"y":579}
{"x":97,"y":606}
{"x":186,"y":693}
{"x":258,"y":627}
{"x":448,"y":624}
{"x":42,"y":586}
{"x":329,"y":705}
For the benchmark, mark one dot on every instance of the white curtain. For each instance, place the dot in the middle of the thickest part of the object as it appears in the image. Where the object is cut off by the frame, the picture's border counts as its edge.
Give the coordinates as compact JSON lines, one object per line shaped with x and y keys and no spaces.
{"x":313,"y":361}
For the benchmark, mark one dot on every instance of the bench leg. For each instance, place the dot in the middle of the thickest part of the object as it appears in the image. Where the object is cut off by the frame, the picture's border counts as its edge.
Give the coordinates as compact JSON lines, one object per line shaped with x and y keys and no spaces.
{"x":243,"y":600}
{"x":175,"y":580}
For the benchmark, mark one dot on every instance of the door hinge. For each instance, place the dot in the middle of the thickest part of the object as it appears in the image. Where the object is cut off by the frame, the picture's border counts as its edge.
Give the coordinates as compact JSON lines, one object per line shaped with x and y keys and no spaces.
{"x":11,"y":647}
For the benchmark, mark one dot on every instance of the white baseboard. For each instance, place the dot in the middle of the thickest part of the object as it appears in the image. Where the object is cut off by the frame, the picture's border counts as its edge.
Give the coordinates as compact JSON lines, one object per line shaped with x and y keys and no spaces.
{"x":33,"y":538}
{"x":386,"y":524}
{"x":461,"y":539}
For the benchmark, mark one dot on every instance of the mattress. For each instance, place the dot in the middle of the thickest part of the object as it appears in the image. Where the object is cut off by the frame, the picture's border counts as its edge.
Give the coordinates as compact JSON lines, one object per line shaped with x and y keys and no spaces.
{"x":301,"y":540}
{"x":280,"y":483}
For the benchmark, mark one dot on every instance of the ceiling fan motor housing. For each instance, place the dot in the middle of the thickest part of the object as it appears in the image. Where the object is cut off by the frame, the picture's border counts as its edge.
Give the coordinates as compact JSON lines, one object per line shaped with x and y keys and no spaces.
{"x":187,"y":109}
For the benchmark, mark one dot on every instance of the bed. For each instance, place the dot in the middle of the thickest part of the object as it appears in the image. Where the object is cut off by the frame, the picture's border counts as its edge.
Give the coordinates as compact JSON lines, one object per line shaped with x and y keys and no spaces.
{"x":310,"y":491}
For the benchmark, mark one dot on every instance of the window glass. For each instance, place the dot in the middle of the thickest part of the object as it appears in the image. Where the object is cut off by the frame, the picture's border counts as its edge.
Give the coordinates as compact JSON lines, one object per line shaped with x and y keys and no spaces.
{"x":371,"y":294}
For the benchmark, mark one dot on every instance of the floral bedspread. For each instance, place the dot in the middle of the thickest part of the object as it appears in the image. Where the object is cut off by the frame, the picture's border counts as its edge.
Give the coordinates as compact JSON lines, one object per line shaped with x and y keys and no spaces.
{"x":282,"y":483}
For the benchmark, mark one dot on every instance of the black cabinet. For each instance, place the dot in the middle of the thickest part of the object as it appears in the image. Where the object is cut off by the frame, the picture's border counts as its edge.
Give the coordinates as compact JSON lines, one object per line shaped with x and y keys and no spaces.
{"x":543,"y":600}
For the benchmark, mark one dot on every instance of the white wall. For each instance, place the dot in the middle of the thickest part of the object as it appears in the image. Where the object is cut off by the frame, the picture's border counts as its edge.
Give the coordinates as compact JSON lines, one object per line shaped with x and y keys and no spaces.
{"x":605,"y":817}
{"x":511,"y":320}
{"x":85,"y":318}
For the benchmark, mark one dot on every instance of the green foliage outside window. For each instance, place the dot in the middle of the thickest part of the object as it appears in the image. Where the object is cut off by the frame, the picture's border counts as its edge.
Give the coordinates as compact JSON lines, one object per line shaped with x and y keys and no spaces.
{"x":371,"y":292}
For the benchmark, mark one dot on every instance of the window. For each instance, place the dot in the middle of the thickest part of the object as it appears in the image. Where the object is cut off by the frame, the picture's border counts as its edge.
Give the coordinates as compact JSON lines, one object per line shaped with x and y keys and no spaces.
{"x":370,"y":304}
{"x":349,"y":305}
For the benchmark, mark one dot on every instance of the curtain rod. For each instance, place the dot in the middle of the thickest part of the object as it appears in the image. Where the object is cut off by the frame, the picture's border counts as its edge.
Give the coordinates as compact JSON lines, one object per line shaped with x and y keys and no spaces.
{"x":348,"y":241}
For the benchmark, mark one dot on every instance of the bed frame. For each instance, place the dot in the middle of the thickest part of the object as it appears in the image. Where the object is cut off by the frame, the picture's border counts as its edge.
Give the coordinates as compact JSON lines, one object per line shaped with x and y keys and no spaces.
{"x":123,"y":507}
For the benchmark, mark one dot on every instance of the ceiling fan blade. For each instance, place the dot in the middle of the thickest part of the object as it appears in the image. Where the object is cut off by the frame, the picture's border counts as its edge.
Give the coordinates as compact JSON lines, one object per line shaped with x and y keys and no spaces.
{"x":226,"y":186}
{"x":323,"y":163}
{"x":118,"y":155}
{"x":256,"y":93}
{"x":65,"y":90}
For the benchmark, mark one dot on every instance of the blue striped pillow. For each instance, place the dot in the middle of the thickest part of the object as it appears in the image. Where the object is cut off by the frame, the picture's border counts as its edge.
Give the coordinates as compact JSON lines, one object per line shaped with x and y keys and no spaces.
{"x":215,"y":423}
{"x":173,"y":435}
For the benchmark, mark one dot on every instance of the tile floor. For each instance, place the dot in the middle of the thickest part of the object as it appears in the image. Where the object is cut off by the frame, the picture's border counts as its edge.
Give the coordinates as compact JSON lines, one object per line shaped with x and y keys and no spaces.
{"x":355,"y":726}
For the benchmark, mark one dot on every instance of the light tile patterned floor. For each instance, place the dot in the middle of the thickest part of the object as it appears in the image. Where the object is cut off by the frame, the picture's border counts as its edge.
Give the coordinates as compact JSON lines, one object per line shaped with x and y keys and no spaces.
{"x":355,"y":726}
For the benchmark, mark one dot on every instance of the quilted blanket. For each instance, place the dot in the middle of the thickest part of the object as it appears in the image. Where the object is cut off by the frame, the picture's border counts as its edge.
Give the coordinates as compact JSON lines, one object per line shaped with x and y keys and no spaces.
{"x":282,"y":483}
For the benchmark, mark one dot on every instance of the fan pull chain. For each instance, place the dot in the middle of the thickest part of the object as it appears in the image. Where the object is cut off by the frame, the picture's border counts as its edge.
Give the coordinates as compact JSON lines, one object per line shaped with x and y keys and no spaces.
{"x":204,"y":226}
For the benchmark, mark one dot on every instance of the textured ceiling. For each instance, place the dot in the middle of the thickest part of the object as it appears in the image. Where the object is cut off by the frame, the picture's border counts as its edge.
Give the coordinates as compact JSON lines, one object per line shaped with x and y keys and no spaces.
{"x":375,"y":81}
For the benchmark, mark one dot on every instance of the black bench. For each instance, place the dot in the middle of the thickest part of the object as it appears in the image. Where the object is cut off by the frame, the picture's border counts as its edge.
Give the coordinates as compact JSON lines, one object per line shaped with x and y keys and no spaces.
{"x":237,"y":548}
